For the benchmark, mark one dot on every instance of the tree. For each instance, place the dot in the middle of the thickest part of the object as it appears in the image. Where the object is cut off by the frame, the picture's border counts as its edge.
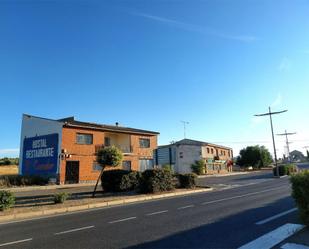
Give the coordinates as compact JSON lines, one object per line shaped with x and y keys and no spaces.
{"x":198,"y":167}
{"x":107,"y":156}
{"x":307,"y":155}
{"x":256,"y":156}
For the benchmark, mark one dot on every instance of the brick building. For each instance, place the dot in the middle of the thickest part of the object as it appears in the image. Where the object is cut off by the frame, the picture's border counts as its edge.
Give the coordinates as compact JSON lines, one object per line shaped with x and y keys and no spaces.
{"x":65,"y":149}
{"x":182,"y":154}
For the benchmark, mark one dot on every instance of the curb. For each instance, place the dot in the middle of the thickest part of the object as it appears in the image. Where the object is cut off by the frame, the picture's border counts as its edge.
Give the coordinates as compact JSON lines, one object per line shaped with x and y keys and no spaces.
{"x":62,"y":210}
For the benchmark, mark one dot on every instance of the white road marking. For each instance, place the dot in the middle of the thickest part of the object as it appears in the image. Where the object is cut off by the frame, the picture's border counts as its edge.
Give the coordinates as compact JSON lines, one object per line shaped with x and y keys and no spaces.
{"x":74,"y":230}
{"x":159,"y":212}
{"x":15,"y":242}
{"x":275,"y":216}
{"x":125,"y":219}
{"x":294,"y":246}
{"x":189,"y":206}
{"x":274,"y":237}
{"x":240,"y":196}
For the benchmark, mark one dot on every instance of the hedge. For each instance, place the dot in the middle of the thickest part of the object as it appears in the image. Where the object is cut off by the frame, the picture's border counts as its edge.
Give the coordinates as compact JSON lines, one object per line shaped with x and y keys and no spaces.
{"x":19,"y":180}
{"x":7,"y":200}
{"x":119,"y":180}
{"x":156,"y":180}
{"x":300,"y":192}
{"x":286,"y":169}
{"x":187,"y":180}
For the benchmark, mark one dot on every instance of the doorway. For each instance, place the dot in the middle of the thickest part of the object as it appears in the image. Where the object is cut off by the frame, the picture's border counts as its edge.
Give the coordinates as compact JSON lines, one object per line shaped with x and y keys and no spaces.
{"x":71,"y":172}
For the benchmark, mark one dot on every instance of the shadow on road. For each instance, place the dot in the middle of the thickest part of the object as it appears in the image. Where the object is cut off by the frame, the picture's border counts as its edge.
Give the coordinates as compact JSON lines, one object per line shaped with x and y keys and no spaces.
{"x":229,"y":232}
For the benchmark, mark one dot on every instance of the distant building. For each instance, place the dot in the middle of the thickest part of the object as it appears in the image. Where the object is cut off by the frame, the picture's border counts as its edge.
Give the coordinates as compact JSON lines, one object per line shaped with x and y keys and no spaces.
{"x":65,"y":149}
{"x":182,"y":154}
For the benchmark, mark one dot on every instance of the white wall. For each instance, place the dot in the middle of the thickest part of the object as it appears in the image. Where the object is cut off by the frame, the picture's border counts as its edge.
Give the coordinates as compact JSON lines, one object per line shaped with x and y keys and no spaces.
{"x":35,"y":126}
{"x":190,"y":154}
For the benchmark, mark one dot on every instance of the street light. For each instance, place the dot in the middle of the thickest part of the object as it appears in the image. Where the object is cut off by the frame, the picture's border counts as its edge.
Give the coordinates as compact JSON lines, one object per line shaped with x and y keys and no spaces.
{"x":269,"y":113}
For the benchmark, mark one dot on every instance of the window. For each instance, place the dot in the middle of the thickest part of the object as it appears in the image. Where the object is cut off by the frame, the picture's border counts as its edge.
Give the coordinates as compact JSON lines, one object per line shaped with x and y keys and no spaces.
{"x":180,"y":154}
{"x":107,"y":141}
{"x":84,"y":138}
{"x":96,"y":167}
{"x":207,"y":150}
{"x":145,"y":164}
{"x":126,"y":165}
{"x":144,"y":143}
{"x":212,"y":150}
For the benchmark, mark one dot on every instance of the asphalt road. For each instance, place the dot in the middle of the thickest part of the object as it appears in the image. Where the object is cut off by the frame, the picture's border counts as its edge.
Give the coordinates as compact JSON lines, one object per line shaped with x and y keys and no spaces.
{"x":225,"y":218}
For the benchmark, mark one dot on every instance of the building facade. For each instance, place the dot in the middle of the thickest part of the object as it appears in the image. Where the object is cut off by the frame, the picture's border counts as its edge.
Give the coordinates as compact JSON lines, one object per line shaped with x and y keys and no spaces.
{"x":65,"y":149}
{"x":182,"y":154}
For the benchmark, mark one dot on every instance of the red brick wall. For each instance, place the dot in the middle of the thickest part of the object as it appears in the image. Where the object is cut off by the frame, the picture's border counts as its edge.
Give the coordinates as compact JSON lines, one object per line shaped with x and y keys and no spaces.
{"x":85,"y":154}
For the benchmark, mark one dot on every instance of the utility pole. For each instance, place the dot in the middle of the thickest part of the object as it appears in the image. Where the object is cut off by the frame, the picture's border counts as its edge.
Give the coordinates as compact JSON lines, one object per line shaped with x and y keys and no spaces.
{"x":306,"y":147}
{"x":184,"y":127}
{"x":286,"y":134}
{"x":269,"y":113}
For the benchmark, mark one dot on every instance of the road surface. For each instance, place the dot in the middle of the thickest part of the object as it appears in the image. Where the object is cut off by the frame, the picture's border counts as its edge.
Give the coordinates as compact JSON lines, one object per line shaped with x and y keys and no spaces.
{"x":226,"y":218}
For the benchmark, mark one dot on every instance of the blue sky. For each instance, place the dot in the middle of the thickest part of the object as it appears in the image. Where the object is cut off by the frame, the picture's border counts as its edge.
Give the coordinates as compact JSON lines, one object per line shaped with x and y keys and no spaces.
{"x":151,"y":64}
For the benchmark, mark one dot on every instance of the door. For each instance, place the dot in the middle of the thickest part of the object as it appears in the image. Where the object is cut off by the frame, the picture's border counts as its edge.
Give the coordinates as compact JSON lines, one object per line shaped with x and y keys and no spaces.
{"x":72,"y":172}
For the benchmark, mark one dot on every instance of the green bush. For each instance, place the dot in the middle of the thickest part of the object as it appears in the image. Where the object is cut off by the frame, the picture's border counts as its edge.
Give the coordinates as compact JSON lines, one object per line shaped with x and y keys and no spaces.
{"x":19,"y":180}
{"x":168,"y":167}
{"x":300,"y":192}
{"x":286,"y":169}
{"x":60,"y":197}
{"x":156,"y":180}
{"x":198,"y":167}
{"x":187,"y":180}
{"x":7,"y":200}
{"x":119,"y":180}
{"x":130,"y":181}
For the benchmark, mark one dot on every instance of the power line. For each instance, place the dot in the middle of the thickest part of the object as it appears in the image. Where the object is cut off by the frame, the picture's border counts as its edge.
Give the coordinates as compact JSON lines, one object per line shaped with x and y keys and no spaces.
{"x":286,"y":134}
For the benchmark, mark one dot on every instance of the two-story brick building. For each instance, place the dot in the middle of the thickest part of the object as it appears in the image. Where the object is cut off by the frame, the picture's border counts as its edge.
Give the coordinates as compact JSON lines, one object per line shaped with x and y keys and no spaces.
{"x":182,"y":154}
{"x":65,"y":149}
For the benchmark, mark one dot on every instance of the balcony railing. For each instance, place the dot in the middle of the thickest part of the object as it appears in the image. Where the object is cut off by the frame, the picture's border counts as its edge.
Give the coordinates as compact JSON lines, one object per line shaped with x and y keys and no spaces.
{"x":124,"y":149}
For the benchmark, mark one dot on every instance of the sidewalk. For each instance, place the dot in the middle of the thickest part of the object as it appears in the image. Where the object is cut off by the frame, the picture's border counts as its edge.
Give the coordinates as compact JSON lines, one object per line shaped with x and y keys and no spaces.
{"x":227,"y":174}
{"x":47,"y":187}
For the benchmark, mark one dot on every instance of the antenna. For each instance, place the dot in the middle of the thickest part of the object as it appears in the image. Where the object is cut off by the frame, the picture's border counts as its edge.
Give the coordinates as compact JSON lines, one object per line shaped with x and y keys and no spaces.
{"x":184,"y":127}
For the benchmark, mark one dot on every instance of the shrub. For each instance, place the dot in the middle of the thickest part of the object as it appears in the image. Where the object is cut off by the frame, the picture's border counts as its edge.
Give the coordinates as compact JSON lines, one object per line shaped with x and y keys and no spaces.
{"x":156,"y":180}
{"x":120,"y":180}
{"x":60,"y":197}
{"x":7,"y":200}
{"x":19,"y":180}
{"x":286,"y":169}
{"x":198,"y":167}
{"x":187,"y":180}
{"x":300,"y":192}
{"x":168,"y":167}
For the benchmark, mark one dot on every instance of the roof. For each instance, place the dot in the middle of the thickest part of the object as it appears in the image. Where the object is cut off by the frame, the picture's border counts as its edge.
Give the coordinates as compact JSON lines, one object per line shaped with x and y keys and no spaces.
{"x":71,"y":122}
{"x":195,"y":142}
